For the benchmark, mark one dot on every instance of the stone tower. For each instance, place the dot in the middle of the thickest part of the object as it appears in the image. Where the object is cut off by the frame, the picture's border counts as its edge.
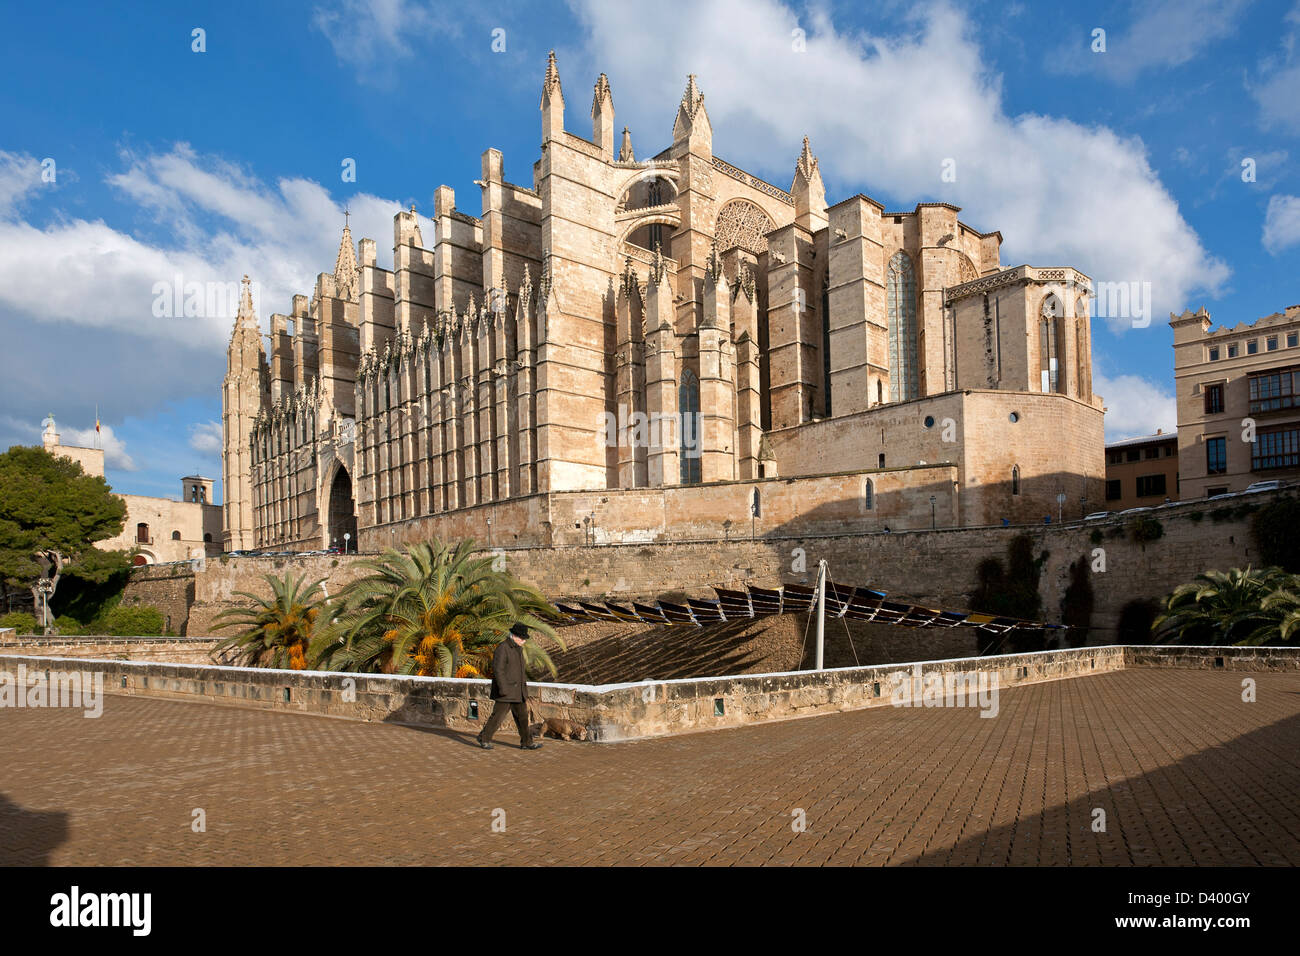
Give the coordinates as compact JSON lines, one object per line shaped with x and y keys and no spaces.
{"x":246,"y":392}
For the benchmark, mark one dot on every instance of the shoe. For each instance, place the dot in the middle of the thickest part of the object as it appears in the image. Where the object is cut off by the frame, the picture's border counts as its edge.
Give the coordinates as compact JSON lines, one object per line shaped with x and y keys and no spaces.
{"x":535,"y":745}
{"x":483,"y":743}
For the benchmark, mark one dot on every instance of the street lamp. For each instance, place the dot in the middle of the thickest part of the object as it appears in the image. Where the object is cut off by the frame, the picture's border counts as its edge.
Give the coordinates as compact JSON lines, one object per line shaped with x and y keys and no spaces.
{"x":1060,"y":507}
{"x":346,"y":538}
{"x":489,"y":524}
{"x":933,"y":519}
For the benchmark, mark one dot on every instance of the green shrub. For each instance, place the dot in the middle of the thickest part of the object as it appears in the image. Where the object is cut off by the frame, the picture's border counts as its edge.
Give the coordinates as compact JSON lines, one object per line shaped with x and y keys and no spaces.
{"x":1196,"y":515}
{"x":68,"y":625}
{"x":1096,"y":537}
{"x":20,"y":621}
{"x":135,"y":621}
{"x":1145,"y":528}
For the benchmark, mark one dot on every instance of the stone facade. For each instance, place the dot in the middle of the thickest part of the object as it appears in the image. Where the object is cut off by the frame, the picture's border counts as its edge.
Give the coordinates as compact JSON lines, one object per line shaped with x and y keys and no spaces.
{"x":669,"y":323}
{"x":1238,"y":401}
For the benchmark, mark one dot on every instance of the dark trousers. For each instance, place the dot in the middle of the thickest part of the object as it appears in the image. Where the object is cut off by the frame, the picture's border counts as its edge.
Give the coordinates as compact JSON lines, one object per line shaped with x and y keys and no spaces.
{"x":520,"y":711}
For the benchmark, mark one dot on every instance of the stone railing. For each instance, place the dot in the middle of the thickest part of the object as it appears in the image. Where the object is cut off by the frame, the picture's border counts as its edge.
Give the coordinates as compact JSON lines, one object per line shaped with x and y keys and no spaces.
{"x":631,"y":711}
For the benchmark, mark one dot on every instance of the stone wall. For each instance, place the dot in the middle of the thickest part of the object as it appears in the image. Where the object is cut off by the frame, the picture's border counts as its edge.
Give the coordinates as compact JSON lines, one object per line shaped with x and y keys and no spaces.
{"x":616,"y":712}
{"x":930,"y":567}
{"x":167,"y":650}
{"x":169,"y":588}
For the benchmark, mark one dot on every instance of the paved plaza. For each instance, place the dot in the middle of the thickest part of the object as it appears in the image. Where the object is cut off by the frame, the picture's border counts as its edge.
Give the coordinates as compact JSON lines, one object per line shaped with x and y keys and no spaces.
{"x":1185,"y":772}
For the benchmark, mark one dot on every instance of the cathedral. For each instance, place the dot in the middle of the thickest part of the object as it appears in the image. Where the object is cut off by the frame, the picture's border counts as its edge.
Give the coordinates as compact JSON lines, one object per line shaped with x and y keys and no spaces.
{"x":636,"y":350}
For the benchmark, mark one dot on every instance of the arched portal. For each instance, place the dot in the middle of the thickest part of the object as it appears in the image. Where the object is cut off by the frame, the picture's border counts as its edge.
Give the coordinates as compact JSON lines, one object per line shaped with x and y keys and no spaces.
{"x":342,"y":511}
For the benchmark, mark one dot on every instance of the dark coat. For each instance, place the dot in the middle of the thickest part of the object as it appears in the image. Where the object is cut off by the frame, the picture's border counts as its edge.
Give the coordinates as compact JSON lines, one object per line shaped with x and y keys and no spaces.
{"x":509,"y":681}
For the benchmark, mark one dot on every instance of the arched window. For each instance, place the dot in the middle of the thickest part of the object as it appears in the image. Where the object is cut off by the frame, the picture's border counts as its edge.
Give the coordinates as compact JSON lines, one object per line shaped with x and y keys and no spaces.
{"x":1015,"y":479}
{"x":901,"y":290}
{"x":688,"y":405}
{"x":869,"y":496}
{"x":756,"y":504}
{"x":207,"y":537}
{"x":880,"y":393}
{"x":1049,"y":343}
{"x":176,"y":535}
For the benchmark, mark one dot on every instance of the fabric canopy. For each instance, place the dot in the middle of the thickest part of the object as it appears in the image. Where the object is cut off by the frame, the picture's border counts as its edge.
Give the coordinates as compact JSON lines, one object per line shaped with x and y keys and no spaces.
{"x":852,"y":603}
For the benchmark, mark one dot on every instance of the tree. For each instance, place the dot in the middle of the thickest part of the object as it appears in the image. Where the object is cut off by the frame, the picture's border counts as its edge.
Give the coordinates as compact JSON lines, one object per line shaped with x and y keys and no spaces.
{"x":51,"y":515}
{"x":1237,"y":606}
{"x":432,"y":611}
{"x":277,"y":630}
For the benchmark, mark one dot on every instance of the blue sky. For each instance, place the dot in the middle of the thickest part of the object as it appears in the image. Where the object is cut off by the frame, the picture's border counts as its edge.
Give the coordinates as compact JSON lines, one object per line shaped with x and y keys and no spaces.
{"x":167,"y":162}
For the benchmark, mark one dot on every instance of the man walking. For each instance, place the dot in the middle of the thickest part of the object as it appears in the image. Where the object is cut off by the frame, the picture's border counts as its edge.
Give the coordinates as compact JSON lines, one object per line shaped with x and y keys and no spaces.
{"x":509,"y":690}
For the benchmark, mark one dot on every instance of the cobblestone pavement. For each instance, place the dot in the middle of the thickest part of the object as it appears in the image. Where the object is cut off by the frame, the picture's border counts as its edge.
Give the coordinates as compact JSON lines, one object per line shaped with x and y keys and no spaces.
{"x":1185,"y":772}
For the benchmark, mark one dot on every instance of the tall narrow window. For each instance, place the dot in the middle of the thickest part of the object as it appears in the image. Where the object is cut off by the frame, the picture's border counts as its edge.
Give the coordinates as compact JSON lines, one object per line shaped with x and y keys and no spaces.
{"x":901,"y":291}
{"x":142,"y":533}
{"x":1049,"y":361}
{"x":869,"y":496}
{"x":688,"y":405}
{"x":1015,"y":479}
{"x":826,"y":346}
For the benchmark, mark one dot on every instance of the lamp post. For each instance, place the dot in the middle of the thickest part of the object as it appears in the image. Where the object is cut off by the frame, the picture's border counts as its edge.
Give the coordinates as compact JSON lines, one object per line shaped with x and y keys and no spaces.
{"x":489,"y":526}
{"x":1083,"y":506}
{"x":1060,"y":507}
{"x":46,"y":587}
{"x":347,"y":536}
{"x":934,"y":521}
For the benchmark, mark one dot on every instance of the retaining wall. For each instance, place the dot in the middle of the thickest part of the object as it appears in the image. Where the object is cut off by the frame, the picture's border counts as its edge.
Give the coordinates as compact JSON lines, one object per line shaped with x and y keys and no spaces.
{"x":616,"y":712}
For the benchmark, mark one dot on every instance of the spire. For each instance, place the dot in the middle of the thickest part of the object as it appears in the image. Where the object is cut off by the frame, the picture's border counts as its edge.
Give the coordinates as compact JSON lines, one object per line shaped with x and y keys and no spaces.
{"x":693,"y":119}
{"x":551,"y":83}
{"x":713,"y":264}
{"x":808,"y":191}
{"x":625,"y":155}
{"x":692,"y":99}
{"x":247,"y":318}
{"x":346,"y":275}
{"x":552,"y":102}
{"x":601,"y":96}
{"x":807,"y":162}
{"x":602,"y":117}
{"x":658,"y":268}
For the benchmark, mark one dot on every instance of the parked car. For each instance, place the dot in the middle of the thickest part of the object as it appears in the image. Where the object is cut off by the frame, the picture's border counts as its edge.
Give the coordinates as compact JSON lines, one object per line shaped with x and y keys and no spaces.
{"x":1258,"y":486}
{"x":1134,"y":511}
{"x":1098,"y":515}
{"x":1226,"y":494}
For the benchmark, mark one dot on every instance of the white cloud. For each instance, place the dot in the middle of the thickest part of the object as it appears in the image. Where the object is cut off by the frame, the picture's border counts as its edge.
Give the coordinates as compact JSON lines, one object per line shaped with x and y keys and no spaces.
{"x":1279,"y":79}
{"x":205,"y":437}
{"x":1135,"y":406}
{"x":1282,"y":223}
{"x":19,"y":175}
{"x":115,"y":455}
{"x":1166,"y":33}
{"x":884,"y":113}
{"x":374,"y":33}
{"x":77,"y":297}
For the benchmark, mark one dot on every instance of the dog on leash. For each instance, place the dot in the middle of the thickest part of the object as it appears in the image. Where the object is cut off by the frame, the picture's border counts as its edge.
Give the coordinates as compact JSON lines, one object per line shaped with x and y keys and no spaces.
{"x":557,"y":727}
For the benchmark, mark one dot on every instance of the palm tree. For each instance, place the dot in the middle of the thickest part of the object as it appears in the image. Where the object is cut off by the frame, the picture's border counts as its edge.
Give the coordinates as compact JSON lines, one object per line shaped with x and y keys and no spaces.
{"x":277,"y":630}
{"x":1241,"y":606}
{"x":1284,"y":606}
{"x":432,"y":611}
